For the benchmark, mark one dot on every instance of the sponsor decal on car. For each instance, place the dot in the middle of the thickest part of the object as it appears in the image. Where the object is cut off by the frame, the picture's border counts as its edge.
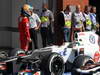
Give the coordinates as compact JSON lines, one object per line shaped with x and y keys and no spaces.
{"x":92,"y":39}
{"x":96,"y":56}
{"x":81,"y":34}
{"x":37,"y":73}
{"x":63,"y":52}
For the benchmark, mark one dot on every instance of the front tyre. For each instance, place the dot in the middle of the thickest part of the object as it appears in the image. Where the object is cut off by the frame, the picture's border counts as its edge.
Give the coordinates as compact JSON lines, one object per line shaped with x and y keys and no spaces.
{"x":55,"y":64}
{"x":79,"y":62}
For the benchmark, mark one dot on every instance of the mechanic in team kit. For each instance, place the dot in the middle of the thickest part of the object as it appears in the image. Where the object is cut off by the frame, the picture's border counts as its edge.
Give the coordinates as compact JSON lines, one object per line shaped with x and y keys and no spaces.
{"x":67,"y":27}
{"x":47,"y":19}
{"x":77,"y":21}
{"x":88,"y":21}
{"x":94,"y":19}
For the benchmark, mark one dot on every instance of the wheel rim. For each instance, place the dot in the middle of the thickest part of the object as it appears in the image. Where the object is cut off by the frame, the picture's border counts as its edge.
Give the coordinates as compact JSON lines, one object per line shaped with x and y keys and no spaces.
{"x":57,"y":66}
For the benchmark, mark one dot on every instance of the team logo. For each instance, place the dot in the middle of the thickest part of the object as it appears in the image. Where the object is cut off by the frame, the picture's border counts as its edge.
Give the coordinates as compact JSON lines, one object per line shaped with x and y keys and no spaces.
{"x":92,"y":39}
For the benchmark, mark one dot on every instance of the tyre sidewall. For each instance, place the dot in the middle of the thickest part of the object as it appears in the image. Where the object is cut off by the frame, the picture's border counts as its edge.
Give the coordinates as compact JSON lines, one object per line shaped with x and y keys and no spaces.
{"x":80,"y":61}
{"x":51,"y":59}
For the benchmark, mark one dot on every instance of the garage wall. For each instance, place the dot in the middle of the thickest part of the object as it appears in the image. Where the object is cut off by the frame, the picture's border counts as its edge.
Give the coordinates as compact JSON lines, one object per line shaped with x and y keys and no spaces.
{"x":16,"y":5}
{"x":5,"y":23}
{"x":75,"y":2}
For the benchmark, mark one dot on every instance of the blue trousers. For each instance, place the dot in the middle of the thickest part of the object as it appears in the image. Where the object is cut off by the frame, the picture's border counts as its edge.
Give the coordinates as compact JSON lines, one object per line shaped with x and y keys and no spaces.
{"x":67,"y":34}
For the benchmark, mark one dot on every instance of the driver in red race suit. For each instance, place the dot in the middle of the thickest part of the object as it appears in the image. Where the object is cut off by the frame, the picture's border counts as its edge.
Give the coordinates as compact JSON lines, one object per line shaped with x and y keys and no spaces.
{"x":23,"y":27}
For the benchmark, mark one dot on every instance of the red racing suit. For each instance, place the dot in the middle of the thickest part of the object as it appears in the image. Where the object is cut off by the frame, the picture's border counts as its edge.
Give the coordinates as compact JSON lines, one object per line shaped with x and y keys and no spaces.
{"x":23,"y":27}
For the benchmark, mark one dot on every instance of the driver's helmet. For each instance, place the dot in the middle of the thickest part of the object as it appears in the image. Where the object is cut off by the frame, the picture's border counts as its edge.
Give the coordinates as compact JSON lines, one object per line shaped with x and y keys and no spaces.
{"x":26,"y":7}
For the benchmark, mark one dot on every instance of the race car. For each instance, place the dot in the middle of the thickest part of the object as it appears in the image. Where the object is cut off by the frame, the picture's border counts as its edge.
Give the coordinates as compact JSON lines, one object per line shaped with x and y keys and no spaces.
{"x":80,"y":56}
{"x":37,"y":62}
{"x":83,"y":51}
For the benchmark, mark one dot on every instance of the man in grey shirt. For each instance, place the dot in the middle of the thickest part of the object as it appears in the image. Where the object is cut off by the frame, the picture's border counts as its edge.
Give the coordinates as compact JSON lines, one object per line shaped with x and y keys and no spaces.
{"x":47,"y":19}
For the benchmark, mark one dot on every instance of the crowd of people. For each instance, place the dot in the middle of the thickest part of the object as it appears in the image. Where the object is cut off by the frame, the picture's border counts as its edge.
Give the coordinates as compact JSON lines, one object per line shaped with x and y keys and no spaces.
{"x":29,"y":23}
{"x":66,"y":23}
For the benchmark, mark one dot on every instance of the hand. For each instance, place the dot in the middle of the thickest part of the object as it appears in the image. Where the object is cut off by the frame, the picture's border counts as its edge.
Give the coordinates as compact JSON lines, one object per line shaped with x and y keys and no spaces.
{"x":36,"y":28}
{"x":97,"y":25}
{"x":30,"y":40}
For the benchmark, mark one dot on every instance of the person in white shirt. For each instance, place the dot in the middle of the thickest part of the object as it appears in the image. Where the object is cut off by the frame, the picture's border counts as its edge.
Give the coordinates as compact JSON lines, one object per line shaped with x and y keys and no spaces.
{"x":34,"y":26}
{"x":68,"y":22}
{"x":77,"y":21}
{"x":88,"y":21}
{"x":94,"y":19}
